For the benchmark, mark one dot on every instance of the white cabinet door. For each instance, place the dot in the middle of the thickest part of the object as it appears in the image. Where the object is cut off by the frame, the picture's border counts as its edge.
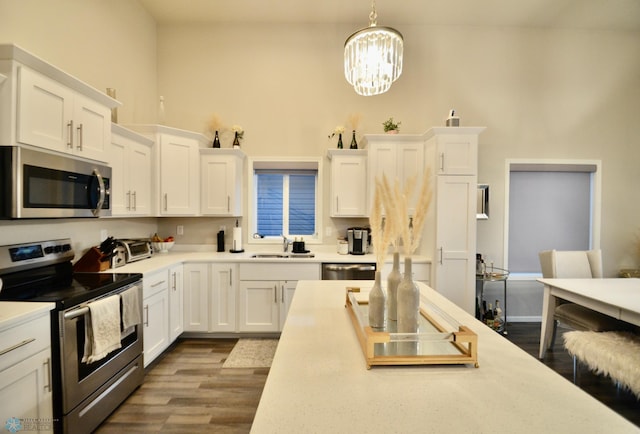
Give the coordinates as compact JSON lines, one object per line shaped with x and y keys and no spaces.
{"x":179,"y":175}
{"x":348,"y":184}
{"x":224,"y":291}
{"x":25,"y":393}
{"x":52,"y":116}
{"x":397,"y":157}
{"x":45,"y":112}
{"x":92,"y":128}
{"x":156,"y":327}
{"x":259,"y":306}
{"x":221,"y":182}
{"x":196,"y":297}
{"x":130,"y":163}
{"x":155,"y":314}
{"x":454,"y":265}
{"x":287,"y":290}
{"x":455,"y":150}
{"x":176,"y":302}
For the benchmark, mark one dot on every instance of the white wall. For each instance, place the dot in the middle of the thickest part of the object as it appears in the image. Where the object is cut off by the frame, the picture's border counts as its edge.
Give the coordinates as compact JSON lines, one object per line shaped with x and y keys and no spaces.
{"x":541,"y":93}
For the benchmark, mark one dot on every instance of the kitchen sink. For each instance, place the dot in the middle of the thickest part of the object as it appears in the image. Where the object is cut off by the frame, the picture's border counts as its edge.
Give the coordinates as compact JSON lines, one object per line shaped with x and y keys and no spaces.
{"x":282,"y":255}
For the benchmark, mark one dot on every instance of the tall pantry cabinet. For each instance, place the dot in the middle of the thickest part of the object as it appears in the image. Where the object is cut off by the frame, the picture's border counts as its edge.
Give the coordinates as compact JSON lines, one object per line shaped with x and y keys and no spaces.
{"x":449,"y":238}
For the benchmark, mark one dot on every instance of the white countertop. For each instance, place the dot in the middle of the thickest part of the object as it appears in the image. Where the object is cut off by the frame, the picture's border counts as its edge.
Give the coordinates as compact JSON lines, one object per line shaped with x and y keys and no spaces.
{"x":318,"y":382}
{"x":176,"y":256}
{"x":16,"y":312}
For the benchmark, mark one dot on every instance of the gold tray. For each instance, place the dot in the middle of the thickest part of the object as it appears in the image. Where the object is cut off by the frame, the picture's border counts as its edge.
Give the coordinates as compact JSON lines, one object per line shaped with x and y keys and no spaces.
{"x":440,"y":340}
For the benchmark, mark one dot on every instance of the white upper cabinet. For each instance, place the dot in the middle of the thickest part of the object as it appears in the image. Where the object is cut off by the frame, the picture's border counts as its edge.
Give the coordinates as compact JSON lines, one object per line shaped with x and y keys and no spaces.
{"x":221,"y":174}
{"x":177,"y":169}
{"x":348,"y":182}
{"x":130,"y":160}
{"x":45,"y":107}
{"x":453,"y":150}
{"x":398,"y":156}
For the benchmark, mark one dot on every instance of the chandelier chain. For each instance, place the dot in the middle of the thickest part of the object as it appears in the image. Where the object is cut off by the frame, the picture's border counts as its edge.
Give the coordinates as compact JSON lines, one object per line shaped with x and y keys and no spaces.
{"x":373,"y":16}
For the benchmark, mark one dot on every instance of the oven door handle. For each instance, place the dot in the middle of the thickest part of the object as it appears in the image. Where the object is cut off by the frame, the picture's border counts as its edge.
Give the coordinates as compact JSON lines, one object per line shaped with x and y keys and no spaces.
{"x":76,"y":313}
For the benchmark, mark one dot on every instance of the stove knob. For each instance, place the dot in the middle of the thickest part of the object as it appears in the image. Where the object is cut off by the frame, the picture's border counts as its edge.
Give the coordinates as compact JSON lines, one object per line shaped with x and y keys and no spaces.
{"x":57,"y":249}
{"x":66,"y":247}
{"x":48,"y":250}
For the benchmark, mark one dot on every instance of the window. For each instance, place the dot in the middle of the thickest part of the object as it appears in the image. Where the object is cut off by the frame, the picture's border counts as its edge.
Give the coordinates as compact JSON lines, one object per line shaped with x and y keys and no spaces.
{"x":285,"y":198}
{"x":551,"y":206}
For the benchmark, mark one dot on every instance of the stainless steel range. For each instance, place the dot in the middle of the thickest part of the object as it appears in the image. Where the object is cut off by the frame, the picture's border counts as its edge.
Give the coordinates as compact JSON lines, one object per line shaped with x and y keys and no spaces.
{"x":84,"y":393}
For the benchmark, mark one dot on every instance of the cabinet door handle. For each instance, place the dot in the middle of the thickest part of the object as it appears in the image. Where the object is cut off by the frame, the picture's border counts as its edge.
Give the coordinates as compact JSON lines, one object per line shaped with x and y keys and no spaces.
{"x":135,"y":201}
{"x":230,"y":276}
{"x":442,"y":161}
{"x":228,"y":203}
{"x":80,"y":137}
{"x":441,"y":255}
{"x":337,"y":204}
{"x":275,"y":293}
{"x":70,"y":134}
{"x":146,"y":316}
{"x":282,"y":295}
{"x":16,"y":346}
{"x":47,"y":368}
{"x":153,"y":285}
{"x":174,"y":281}
{"x":166,"y":202}
{"x":129,"y":199}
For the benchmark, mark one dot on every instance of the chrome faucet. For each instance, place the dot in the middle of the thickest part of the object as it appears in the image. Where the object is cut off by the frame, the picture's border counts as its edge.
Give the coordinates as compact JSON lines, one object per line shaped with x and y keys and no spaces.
{"x":285,"y":244}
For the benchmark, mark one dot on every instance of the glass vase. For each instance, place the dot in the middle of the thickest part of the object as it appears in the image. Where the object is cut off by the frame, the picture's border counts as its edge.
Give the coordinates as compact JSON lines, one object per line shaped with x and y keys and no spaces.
{"x":354,"y":144}
{"x":377,"y":304}
{"x":408,"y":301}
{"x":393,"y":280}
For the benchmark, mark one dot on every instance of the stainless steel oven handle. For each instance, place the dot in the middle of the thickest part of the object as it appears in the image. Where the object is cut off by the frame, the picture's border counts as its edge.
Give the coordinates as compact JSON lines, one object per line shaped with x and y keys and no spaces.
{"x":76,"y":313}
{"x":16,"y":346}
{"x":103,"y":192}
{"x":47,"y":367}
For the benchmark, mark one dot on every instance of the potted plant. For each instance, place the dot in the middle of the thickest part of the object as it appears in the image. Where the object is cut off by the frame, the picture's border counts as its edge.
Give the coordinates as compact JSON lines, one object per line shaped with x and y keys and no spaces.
{"x":391,"y":127}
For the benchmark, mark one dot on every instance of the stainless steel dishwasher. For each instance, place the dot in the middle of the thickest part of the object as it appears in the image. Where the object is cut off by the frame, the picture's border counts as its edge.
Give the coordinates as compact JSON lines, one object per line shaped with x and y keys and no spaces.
{"x":348,"y":271}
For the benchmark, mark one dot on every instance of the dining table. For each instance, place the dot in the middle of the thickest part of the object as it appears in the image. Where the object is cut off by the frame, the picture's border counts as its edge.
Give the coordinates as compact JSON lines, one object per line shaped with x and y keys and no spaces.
{"x":616,"y":297}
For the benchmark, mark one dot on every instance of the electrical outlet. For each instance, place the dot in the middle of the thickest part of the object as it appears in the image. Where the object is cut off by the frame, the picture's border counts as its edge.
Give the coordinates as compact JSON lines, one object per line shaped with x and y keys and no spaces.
{"x":103,"y":234}
{"x":180,"y":230}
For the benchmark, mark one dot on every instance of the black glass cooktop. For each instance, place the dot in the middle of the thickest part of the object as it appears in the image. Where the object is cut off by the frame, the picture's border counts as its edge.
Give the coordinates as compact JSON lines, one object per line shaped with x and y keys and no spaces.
{"x":58,"y":284}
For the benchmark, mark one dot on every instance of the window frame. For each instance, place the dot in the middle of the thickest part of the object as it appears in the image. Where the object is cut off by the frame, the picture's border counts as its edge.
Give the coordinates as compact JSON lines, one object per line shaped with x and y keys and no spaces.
{"x":284,"y":164}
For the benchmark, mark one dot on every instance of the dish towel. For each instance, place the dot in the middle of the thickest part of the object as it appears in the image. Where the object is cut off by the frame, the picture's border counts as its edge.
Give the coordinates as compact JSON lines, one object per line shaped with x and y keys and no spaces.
{"x":102,"y":328}
{"x":131,"y":314}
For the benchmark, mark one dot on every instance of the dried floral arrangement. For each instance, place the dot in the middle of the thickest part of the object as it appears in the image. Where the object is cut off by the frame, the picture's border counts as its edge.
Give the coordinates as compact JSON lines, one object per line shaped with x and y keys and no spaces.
{"x":399,"y":225}
{"x":336,"y":131}
{"x":354,"y":120}
{"x":214,"y":124}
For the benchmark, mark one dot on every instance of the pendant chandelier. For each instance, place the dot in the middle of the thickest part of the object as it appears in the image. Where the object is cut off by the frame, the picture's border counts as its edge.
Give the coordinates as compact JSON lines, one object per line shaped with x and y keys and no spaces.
{"x":373,"y":57}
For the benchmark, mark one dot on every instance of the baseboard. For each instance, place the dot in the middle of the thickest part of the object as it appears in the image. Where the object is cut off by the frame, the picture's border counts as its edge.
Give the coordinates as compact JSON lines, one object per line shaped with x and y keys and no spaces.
{"x":524,"y":318}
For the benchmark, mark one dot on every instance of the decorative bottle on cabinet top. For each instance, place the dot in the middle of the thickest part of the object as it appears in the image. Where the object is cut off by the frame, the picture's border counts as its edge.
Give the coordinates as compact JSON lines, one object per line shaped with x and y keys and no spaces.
{"x":340,"y":146}
{"x":216,"y":141}
{"x":354,"y":144}
{"x":236,"y":142}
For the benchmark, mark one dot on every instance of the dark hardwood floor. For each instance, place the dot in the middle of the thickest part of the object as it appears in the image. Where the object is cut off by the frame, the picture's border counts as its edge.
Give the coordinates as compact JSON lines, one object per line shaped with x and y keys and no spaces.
{"x":186,"y":389}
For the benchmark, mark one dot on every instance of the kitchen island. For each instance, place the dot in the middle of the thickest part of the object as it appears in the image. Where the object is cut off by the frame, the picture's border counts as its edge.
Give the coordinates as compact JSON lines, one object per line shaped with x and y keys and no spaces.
{"x":318,"y":382}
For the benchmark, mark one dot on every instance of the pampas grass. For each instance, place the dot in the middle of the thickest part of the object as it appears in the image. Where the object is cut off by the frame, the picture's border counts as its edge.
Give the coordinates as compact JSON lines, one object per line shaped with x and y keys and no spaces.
{"x":396,"y":200}
{"x":354,"y":120}
{"x":214,"y":124}
{"x":381,"y":228}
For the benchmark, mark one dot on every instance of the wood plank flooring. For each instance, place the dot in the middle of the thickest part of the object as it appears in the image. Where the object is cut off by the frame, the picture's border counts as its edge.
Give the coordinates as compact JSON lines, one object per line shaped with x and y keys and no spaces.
{"x":186,"y":389}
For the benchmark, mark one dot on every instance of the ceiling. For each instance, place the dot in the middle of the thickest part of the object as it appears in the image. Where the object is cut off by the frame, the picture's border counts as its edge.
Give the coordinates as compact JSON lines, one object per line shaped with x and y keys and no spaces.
{"x":585,"y":14}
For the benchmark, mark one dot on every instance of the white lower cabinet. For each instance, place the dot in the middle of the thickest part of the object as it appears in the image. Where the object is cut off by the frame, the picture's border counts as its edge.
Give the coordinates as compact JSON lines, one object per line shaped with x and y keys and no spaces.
{"x":176,"y":302}
{"x":155,"y":314}
{"x":263,"y":303}
{"x":224,"y":290}
{"x":210,"y":293}
{"x":25,"y":376}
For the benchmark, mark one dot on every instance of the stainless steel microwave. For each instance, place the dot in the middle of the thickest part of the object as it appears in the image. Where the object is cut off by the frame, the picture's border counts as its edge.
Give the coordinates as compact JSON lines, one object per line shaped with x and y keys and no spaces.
{"x":37,"y":184}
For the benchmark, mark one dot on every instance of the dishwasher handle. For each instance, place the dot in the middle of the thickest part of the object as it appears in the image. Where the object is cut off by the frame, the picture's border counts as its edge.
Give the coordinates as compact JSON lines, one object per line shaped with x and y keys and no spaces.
{"x":350,"y":267}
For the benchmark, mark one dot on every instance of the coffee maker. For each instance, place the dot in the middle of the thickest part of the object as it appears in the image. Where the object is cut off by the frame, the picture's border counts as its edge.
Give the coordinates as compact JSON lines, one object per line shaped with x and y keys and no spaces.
{"x":358,"y":239}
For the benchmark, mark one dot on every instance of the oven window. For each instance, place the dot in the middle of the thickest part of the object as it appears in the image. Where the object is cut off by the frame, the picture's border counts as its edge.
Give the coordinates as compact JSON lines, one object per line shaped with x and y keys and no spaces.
{"x":86,"y":369}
